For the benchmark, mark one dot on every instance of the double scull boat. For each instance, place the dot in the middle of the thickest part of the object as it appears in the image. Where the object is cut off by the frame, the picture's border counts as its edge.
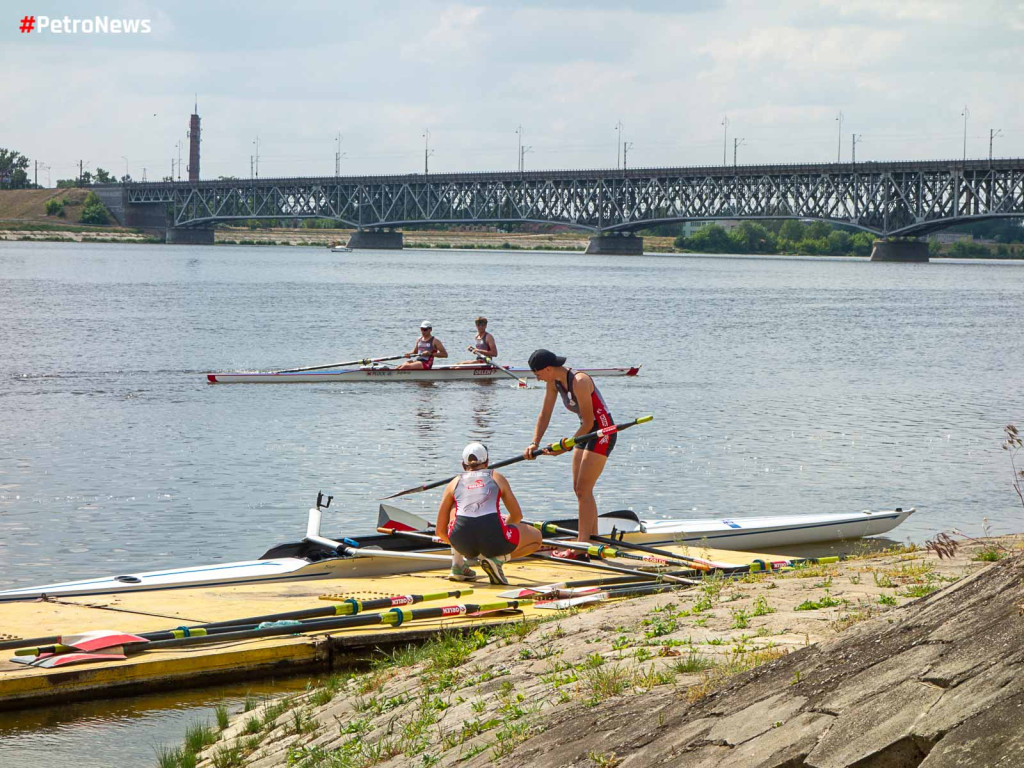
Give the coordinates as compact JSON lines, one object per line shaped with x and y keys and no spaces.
{"x":379,"y":373}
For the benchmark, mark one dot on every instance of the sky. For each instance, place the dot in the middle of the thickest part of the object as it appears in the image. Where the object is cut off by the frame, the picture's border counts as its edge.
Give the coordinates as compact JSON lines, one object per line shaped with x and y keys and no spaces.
{"x":568,"y":72}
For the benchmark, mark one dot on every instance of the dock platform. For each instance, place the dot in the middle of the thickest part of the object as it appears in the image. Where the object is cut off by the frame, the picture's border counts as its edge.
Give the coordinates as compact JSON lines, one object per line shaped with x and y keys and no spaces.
{"x":154,"y":669}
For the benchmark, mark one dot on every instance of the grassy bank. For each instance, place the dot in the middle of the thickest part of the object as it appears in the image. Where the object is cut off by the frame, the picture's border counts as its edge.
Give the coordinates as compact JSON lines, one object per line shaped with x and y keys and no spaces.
{"x":475,"y":697}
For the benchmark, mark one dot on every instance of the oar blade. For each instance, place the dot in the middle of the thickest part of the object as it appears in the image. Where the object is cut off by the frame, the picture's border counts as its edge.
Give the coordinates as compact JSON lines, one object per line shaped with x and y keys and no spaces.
{"x":51,"y":660}
{"x":100,"y":639}
{"x":397,"y":519}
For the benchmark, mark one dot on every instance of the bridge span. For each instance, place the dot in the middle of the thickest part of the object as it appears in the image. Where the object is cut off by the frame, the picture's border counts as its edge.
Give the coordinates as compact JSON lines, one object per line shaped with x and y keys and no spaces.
{"x":888,"y":199}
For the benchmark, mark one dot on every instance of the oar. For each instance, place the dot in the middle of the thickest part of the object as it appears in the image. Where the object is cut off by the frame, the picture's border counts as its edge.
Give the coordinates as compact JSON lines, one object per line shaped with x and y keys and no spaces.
{"x":364,"y":361}
{"x":421,"y":536}
{"x":351,"y":607}
{"x":605,"y":551}
{"x":561,"y":603}
{"x":490,"y":361}
{"x":562,"y":445}
{"x":571,"y":586}
{"x":615,"y":568}
{"x":394,"y":617}
{"x":692,"y":562}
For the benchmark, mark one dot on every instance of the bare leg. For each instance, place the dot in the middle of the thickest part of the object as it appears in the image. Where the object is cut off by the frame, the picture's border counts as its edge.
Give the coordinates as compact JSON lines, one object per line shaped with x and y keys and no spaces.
{"x":529,"y":541}
{"x":586,"y":468}
{"x":411,"y":365}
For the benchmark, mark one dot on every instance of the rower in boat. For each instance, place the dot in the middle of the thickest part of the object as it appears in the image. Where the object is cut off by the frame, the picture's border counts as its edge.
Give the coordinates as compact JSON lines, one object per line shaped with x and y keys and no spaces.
{"x":426,"y":348}
{"x":580,"y":396}
{"x":483,"y":345}
{"x":470,"y":520}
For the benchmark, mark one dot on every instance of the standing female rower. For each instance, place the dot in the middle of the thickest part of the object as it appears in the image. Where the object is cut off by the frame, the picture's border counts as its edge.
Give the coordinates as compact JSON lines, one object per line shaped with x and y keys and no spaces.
{"x":580,"y":396}
{"x":427,"y":347}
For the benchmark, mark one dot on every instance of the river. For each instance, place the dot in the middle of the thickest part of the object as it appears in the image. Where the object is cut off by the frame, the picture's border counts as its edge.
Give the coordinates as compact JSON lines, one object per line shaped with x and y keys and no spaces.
{"x":778,"y":385}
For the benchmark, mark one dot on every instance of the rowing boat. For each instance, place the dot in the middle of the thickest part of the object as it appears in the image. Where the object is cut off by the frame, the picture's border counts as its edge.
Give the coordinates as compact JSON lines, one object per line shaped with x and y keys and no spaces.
{"x":471,"y":372}
{"x":380,"y":554}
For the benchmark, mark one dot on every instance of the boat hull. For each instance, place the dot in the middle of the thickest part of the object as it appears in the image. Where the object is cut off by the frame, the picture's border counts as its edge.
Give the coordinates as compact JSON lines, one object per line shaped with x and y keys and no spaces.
{"x":385,"y":374}
{"x":303,"y":560}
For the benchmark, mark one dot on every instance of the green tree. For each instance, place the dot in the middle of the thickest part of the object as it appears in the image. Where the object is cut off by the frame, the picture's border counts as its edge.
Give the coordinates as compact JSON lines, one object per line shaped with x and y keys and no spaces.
{"x":817,"y":230}
{"x":861,"y":244}
{"x":792,"y":230}
{"x":55,"y":207}
{"x":13,"y":170}
{"x":752,"y":237}
{"x":710,"y":239}
{"x":93,"y":211}
{"x":838,"y":242}
{"x":103,"y":177}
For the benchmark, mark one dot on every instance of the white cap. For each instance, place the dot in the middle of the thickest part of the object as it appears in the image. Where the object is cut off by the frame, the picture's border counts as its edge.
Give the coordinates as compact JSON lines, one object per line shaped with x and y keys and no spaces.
{"x":474,"y":453}
{"x":426,"y":324}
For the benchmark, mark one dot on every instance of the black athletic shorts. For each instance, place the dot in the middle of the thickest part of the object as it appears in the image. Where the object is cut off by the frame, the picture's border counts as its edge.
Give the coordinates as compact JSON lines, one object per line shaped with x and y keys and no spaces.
{"x":596,"y":445}
{"x":485,"y":536}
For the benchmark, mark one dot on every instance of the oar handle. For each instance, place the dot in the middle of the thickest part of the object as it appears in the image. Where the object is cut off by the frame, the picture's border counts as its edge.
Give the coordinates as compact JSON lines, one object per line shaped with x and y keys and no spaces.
{"x":497,"y":367}
{"x":565,"y":444}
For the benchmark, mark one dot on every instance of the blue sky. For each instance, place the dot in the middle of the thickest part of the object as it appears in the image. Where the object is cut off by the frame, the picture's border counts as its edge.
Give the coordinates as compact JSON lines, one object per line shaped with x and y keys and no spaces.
{"x":296,"y":74}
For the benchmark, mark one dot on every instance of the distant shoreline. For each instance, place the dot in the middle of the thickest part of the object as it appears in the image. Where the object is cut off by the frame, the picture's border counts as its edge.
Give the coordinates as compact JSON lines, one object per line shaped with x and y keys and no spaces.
{"x":469,"y":239}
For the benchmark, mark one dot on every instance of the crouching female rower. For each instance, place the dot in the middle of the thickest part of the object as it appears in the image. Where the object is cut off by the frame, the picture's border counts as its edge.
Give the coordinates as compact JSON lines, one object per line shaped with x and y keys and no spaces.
{"x":580,"y":396}
{"x":469,"y":519}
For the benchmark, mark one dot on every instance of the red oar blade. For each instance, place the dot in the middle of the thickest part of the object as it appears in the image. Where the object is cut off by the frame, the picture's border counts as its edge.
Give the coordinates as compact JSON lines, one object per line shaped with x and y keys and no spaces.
{"x":399,"y":520}
{"x":50,"y":660}
{"x":99,"y":639}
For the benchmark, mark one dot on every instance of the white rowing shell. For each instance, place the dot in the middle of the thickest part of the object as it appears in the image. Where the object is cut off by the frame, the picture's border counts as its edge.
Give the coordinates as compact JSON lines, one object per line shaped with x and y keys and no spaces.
{"x":384,"y":374}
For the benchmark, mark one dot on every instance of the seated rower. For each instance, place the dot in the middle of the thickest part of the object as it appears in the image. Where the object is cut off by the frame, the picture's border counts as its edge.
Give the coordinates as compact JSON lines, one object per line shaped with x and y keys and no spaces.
{"x":483,"y":345}
{"x":426,"y":348}
{"x":469,"y":519}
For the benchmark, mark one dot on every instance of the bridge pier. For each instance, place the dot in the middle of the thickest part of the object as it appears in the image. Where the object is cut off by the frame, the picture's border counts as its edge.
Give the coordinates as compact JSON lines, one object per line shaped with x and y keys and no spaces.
{"x":376,"y":239}
{"x":188,"y":236}
{"x":617,"y":244}
{"x":909,"y":251}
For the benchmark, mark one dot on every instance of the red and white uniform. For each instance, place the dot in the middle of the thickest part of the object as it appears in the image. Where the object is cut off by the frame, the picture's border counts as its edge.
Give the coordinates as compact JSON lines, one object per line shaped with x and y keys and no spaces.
{"x":425,"y":352}
{"x":602,"y":416}
{"x":477,"y":526}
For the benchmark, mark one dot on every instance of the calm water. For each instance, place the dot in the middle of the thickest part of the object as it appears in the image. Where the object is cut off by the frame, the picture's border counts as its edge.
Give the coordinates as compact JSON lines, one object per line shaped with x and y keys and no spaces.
{"x":777,"y":385}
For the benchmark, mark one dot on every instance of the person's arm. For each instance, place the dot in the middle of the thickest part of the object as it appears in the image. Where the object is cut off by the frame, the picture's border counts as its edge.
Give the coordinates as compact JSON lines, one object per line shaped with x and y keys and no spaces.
{"x":439,"y":350}
{"x":515,"y":512}
{"x":583,"y":387}
{"x":410,"y":354}
{"x":444,"y":512}
{"x":492,"y":346}
{"x":550,"y":395}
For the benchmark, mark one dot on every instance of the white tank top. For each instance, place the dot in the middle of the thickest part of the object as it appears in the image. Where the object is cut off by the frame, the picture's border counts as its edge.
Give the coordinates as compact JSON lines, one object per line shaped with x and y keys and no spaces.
{"x":476,"y":494}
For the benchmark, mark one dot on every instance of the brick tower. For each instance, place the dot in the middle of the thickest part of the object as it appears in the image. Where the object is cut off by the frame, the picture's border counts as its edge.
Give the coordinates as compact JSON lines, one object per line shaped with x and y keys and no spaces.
{"x":193,"y":145}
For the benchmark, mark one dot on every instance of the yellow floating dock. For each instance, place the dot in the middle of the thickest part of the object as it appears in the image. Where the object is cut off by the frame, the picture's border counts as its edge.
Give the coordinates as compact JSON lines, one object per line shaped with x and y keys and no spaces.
{"x":22,"y":686}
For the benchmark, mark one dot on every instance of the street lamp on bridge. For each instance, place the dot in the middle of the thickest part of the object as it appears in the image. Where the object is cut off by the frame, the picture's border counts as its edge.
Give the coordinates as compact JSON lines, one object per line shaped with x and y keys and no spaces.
{"x":839,"y":143}
{"x":618,"y":143}
{"x":966,"y":113}
{"x":992,"y":133}
{"x":427,"y":151}
{"x":725,"y":138}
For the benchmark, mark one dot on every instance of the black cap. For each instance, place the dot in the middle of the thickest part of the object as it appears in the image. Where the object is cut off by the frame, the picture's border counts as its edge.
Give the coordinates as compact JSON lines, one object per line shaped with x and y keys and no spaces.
{"x":542,"y":358}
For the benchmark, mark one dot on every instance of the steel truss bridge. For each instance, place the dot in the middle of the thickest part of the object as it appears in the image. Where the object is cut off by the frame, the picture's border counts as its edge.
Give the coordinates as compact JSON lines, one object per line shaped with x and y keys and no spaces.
{"x":893,"y":199}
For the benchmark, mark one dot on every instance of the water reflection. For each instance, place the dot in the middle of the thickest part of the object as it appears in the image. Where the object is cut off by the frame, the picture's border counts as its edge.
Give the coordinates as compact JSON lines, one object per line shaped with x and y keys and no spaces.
{"x":483,"y":402}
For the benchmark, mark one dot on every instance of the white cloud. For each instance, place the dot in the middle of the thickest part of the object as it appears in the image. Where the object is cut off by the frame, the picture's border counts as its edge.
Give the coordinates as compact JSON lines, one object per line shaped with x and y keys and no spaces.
{"x":472,"y":72}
